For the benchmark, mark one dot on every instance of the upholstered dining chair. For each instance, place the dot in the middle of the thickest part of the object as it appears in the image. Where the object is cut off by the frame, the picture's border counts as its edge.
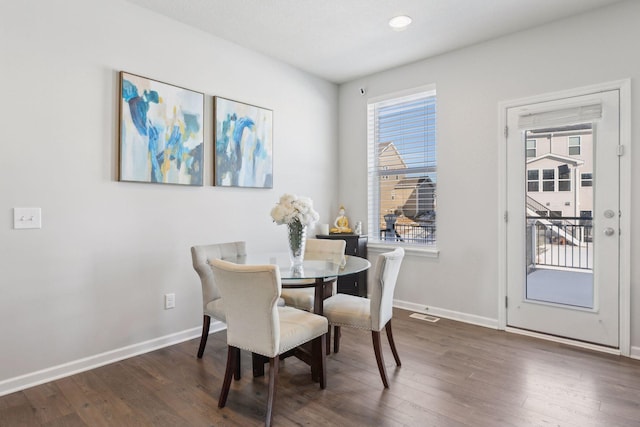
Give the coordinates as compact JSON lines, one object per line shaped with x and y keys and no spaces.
{"x":319,"y":250}
{"x":256,"y":323}
{"x":212,"y":305}
{"x":372,"y":314}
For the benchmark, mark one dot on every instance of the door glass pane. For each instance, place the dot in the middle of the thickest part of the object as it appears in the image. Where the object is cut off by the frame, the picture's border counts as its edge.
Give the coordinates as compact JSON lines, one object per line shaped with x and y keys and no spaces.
{"x":559,"y":221}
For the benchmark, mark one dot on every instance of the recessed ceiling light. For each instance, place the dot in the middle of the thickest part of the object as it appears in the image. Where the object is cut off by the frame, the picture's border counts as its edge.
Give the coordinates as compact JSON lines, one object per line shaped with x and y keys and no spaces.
{"x":400,"y":22}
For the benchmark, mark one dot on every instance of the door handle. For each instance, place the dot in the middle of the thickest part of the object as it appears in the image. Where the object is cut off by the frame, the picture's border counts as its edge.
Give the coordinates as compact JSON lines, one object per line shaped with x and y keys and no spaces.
{"x":609,"y":231}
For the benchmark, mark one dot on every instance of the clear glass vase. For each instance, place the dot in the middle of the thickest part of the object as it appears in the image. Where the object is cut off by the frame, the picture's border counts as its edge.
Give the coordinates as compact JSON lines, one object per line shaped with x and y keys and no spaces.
{"x":297,"y":241}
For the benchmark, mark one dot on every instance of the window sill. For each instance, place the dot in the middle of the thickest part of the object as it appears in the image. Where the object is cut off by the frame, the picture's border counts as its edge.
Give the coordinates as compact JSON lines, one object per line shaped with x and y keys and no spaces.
{"x":427,"y":252}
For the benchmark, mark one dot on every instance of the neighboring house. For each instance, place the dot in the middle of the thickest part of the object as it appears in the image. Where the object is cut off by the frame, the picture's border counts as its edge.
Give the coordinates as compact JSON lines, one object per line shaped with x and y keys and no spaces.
{"x":390,"y":160}
{"x":419,"y":196}
{"x":560,"y":171}
{"x":413,"y":197}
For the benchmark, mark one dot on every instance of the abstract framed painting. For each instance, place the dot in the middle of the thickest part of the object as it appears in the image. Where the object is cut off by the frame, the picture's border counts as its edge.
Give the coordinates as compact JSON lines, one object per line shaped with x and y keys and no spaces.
{"x":243,"y":145}
{"x":161,"y":132}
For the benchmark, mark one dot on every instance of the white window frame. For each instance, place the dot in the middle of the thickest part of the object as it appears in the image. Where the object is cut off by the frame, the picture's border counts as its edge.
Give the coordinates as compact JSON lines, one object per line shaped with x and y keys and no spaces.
{"x":375,"y":241}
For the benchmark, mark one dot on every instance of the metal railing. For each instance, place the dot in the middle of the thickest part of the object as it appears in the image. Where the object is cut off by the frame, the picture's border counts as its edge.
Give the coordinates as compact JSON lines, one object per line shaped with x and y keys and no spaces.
{"x":560,"y":242}
{"x":410,"y":233}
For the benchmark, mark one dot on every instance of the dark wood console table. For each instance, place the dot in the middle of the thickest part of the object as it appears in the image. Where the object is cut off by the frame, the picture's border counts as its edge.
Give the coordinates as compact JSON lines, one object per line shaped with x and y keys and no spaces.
{"x":354,"y":284}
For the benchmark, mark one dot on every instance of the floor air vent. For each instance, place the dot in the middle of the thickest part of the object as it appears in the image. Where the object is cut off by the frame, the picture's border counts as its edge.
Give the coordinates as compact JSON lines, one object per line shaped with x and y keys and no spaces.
{"x":424,"y":317}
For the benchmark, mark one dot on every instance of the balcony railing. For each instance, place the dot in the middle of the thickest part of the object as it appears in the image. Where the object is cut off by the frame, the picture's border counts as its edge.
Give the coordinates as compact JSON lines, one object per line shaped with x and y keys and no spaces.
{"x":560,"y":242}
{"x":410,"y":233}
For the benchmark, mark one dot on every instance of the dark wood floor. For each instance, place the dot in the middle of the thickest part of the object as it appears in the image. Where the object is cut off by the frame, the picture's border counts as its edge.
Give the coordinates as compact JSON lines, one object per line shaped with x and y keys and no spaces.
{"x":453,"y":374}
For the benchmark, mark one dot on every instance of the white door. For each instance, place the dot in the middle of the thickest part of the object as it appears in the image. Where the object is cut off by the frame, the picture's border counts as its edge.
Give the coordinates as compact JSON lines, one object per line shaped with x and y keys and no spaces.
{"x":563,"y":218}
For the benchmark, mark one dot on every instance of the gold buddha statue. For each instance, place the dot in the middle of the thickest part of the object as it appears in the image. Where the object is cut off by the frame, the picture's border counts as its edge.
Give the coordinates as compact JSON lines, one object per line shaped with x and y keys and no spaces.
{"x":341,"y":224}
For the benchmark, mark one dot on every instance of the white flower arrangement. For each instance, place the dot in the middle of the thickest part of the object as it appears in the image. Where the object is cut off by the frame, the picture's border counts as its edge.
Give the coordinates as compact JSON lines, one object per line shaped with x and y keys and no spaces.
{"x":291,"y":209}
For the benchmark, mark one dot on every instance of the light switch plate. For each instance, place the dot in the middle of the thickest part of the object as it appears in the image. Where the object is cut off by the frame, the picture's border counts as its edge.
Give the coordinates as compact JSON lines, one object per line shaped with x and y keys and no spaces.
{"x":27,"y":218}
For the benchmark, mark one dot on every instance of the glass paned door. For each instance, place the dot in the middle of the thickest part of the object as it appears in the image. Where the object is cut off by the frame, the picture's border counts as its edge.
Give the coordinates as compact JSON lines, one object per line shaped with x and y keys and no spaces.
{"x":563,"y":229}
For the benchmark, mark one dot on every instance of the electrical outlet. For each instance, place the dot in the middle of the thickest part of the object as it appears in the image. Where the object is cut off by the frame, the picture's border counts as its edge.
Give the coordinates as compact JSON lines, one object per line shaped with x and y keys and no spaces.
{"x":169,"y":301}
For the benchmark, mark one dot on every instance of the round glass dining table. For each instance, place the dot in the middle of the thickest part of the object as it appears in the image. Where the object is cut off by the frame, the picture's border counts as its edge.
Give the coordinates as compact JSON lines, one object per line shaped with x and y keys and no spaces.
{"x":312,"y":273}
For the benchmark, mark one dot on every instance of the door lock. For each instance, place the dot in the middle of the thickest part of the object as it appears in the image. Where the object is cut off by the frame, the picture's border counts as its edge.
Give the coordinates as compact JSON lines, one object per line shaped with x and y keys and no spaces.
{"x":609,"y":231}
{"x":609,"y":213}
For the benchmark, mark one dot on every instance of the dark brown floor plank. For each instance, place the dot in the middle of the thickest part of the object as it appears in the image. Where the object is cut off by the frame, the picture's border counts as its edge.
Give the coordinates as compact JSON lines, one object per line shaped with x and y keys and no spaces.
{"x":452,"y":375}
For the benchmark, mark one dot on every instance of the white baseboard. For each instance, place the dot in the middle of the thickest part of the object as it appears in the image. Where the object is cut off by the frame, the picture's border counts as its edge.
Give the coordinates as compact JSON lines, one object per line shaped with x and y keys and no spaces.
{"x":22,"y":382}
{"x":448,"y":314}
{"x":635,"y":353}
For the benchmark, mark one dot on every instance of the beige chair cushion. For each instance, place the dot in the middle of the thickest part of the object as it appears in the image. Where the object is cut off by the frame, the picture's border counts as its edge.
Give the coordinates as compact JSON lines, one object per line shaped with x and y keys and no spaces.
{"x":301,"y":299}
{"x":348,"y":310}
{"x":296,"y":326}
{"x":215,"y":309}
{"x":374,"y":313}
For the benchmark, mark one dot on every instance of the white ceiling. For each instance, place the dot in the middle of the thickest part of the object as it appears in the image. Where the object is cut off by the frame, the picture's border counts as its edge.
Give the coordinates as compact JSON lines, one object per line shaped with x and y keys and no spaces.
{"x":340,"y":40}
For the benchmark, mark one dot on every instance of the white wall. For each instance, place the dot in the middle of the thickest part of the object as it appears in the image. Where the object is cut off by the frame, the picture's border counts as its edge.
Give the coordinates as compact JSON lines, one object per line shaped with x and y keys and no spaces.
{"x":587,"y":49}
{"x":92,"y":279}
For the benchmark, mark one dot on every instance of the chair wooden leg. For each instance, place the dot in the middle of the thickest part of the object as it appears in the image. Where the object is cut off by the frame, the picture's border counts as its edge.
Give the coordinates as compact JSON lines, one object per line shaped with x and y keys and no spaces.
{"x":320,"y":357}
{"x":206,"y":322}
{"x":237,"y":374}
{"x":387,"y":327}
{"x":232,"y":355}
{"x":258,"y":362}
{"x":336,"y":339}
{"x":377,"y":348}
{"x":274,"y":364}
{"x":328,"y":341}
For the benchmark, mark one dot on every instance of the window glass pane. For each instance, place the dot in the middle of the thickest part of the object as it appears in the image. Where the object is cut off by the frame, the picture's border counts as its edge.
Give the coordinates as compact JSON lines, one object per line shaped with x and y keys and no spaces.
{"x":531,"y":147}
{"x":548,"y":186}
{"x":533,"y":174}
{"x":564,"y":178}
{"x":548,"y":174}
{"x":574,"y":145}
{"x":402,"y":143}
{"x":533,"y":186}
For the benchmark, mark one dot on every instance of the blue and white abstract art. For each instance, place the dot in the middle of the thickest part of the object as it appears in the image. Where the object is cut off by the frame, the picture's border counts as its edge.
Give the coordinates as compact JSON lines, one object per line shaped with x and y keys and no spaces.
{"x":243,"y":145}
{"x":161,"y":135}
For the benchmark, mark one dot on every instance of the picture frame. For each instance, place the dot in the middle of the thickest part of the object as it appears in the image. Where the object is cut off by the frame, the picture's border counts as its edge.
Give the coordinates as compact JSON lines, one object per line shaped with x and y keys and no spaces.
{"x":161,"y":132}
{"x":243,"y":144}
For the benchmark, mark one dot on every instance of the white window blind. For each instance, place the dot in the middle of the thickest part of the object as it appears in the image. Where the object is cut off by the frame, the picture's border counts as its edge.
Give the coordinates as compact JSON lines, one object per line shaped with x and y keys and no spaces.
{"x":402,"y":168}
{"x":563,"y":116}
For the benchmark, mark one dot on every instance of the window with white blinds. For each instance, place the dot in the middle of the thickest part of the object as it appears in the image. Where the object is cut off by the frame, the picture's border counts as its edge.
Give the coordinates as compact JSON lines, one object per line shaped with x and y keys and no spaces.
{"x":402,"y":168}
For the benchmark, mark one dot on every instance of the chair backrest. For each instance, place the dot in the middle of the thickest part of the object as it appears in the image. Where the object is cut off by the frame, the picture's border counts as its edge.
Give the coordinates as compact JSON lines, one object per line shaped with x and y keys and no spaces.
{"x":250,"y":294}
{"x":325,"y":249}
{"x":386,"y":275}
{"x":202,"y":257}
